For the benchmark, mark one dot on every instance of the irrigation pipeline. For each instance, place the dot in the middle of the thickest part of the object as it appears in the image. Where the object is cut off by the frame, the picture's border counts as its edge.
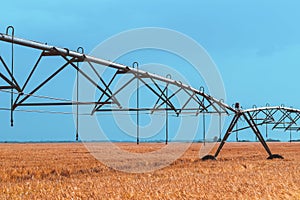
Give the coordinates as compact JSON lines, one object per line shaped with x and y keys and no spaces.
{"x":250,"y":116}
{"x":87,"y":58}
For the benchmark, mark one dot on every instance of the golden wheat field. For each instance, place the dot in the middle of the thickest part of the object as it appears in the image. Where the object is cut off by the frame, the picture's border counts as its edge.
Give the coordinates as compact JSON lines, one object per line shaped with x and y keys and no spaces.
{"x":69,"y":171}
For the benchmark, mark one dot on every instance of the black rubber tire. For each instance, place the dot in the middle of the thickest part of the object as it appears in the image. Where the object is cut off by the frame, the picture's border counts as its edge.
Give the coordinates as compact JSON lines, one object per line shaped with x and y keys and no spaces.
{"x":275,"y":156}
{"x":208,"y":157}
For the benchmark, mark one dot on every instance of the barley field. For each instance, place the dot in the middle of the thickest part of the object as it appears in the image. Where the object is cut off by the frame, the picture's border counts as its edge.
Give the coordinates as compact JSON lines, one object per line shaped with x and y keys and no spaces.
{"x":69,"y":171}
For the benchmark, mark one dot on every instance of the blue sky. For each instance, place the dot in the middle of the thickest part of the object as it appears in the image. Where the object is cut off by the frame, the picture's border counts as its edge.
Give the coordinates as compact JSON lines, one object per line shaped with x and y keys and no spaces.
{"x":255,"y":44}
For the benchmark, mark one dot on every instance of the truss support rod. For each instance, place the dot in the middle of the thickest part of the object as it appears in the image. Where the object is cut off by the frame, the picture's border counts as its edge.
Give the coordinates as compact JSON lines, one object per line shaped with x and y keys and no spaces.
{"x":160,"y":97}
{"x":85,"y":75}
{"x":116,"y":92}
{"x":102,"y":95}
{"x":12,"y":85}
{"x":285,"y":114}
{"x":246,"y":127}
{"x":33,"y":70}
{"x":29,"y":77}
{"x":100,"y":78}
{"x":165,"y":100}
{"x":190,"y":110}
{"x":186,"y":103}
{"x":43,"y":83}
{"x":105,"y":85}
{"x":61,"y":103}
{"x":14,"y":82}
{"x":157,"y":101}
{"x":6,"y":87}
{"x":295,"y":119}
{"x":193,"y":96}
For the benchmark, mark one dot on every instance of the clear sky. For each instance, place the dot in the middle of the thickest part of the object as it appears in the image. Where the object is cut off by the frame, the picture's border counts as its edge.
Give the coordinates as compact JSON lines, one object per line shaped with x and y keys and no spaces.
{"x":255,"y":45}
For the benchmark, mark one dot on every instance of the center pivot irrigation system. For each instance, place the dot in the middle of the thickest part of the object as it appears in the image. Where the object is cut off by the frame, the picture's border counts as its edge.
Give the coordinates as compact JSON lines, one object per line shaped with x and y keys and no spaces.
{"x":280,"y":117}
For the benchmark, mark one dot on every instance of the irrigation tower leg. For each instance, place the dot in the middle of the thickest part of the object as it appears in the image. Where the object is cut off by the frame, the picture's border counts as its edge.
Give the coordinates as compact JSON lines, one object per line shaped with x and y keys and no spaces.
{"x":228,"y":132}
{"x":253,"y":126}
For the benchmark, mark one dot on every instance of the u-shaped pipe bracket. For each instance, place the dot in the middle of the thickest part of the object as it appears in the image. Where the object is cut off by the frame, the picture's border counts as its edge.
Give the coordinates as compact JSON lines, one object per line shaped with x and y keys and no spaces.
{"x":12,"y":30}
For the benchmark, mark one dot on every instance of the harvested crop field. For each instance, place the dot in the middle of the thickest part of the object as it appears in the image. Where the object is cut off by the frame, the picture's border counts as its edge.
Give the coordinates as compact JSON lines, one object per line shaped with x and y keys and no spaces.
{"x":69,"y":171}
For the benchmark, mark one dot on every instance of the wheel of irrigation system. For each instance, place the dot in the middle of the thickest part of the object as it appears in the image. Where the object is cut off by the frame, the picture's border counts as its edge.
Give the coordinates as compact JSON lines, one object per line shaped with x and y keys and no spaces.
{"x":275,"y":156}
{"x":208,"y":157}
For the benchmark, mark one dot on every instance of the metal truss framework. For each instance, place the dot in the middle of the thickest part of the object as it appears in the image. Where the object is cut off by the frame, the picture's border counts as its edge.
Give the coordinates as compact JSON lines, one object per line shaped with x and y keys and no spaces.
{"x":166,"y":99}
{"x":196,"y":100}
